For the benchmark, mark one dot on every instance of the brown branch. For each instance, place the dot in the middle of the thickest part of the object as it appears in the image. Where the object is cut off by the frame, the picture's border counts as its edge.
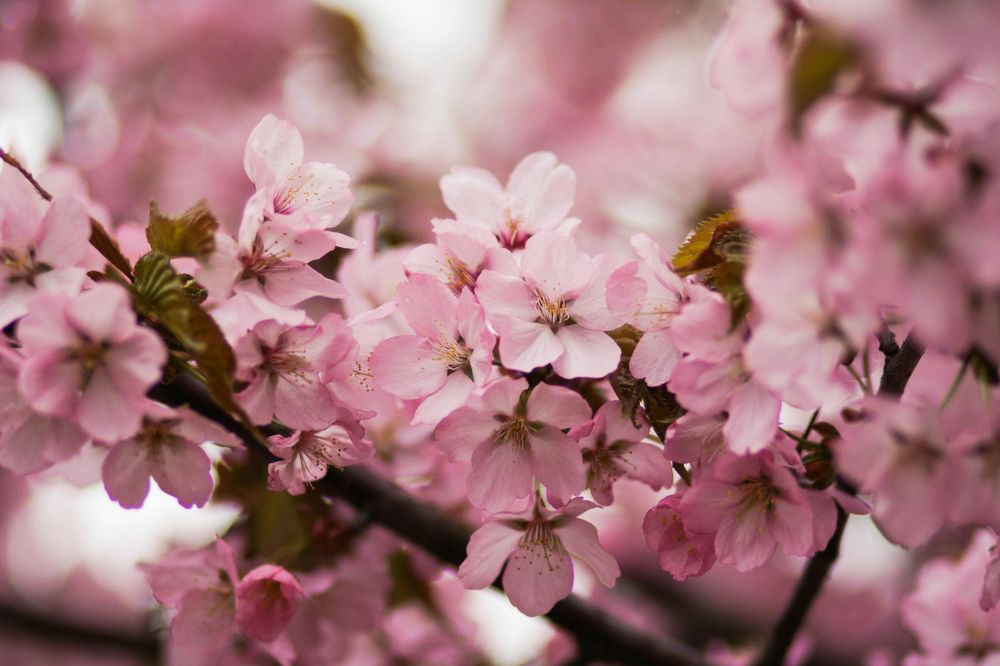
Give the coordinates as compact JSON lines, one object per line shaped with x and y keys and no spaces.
{"x":898,"y":369}
{"x":599,"y":635}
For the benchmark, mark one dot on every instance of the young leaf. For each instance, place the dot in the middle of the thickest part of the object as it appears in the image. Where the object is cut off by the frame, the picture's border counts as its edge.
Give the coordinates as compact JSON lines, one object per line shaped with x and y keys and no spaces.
{"x":192,"y":234}
{"x":697,"y":252}
{"x":822,"y":57}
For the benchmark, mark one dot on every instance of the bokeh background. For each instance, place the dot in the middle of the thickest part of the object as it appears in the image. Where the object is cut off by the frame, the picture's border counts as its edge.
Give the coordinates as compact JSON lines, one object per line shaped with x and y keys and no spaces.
{"x":137,"y":99}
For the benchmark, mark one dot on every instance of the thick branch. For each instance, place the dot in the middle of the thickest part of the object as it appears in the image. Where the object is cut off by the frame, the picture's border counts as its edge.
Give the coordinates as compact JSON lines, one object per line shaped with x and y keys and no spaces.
{"x":898,"y":368}
{"x":56,"y":632}
{"x":599,"y":635}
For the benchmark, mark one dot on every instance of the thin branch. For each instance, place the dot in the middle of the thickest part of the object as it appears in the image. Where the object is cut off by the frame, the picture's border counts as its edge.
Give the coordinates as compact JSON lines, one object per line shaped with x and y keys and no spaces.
{"x":56,"y":632}
{"x":599,"y":635}
{"x":899,"y":366}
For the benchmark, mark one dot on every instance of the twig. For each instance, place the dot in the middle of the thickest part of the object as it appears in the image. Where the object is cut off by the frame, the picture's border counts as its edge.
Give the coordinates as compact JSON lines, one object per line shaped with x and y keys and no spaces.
{"x":599,"y":635}
{"x":898,"y":368}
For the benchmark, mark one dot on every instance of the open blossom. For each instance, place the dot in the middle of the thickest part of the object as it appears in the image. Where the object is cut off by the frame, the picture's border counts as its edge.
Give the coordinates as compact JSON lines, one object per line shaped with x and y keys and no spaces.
{"x":680,"y":552}
{"x":538,"y":551}
{"x":168,"y":448}
{"x":88,"y":360}
{"x":30,"y":441}
{"x":752,"y":504}
{"x":944,"y":611}
{"x":461,"y":252}
{"x":538,"y":196}
{"x":211,"y":600}
{"x":554,"y":311}
{"x":450,"y":354}
{"x":306,"y":455}
{"x":613,"y":447}
{"x":898,"y":452}
{"x":39,"y":246}
{"x":308,"y":195}
{"x":648,"y":294}
{"x":513,"y":441}
{"x":287,"y":368}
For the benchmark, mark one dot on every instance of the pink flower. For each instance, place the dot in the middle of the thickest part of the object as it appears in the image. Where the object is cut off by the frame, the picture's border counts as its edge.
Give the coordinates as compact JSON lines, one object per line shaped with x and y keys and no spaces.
{"x":451,"y":353}
{"x":286,"y":370}
{"x":648,"y":294}
{"x":303,"y":195}
{"x":897,"y":452}
{"x":39,"y":246}
{"x":30,"y":441}
{"x":752,"y":504}
{"x":456,"y":259}
{"x":306,"y":455}
{"x":538,"y":196}
{"x":87,"y":359}
{"x":693,"y":438}
{"x":613,"y":447}
{"x":537,"y":551}
{"x":168,"y":448}
{"x":680,"y":552}
{"x":513,"y":440}
{"x":944,"y":612}
{"x":975,"y":450}
{"x":555,"y":311}
{"x":991,"y":581}
{"x":266,"y":600}
{"x":274,"y":264}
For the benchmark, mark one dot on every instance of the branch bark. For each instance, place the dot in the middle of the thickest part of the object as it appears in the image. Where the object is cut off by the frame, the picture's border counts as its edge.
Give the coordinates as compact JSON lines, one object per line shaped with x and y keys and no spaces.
{"x":599,"y":635}
{"x":899,"y":366}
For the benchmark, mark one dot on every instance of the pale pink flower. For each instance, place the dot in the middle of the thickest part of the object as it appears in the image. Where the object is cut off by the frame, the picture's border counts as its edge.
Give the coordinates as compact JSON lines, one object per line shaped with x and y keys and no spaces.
{"x":513,"y":441}
{"x":450,"y":354}
{"x":168,"y":448}
{"x":538,"y":551}
{"x":456,"y":259}
{"x":87,"y":359}
{"x":538,"y":196}
{"x":30,"y":441}
{"x":975,"y":450}
{"x":944,"y":612}
{"x":266,"y":600}
{"x":752,"y":504}
{"x":274,"y":263}
{"x":694,"y":438}
{"x":613,"y":447}
{"x":39,"y":245}
{"x":287,"y":369}
{"x":991,"y":581}
{"x":680,"y":552}
{"x":897,"y":452}
{"x":306,"y":455}
{"x":648,"y":294}
{"x":555,"y":311}
{"x":303,"y":195}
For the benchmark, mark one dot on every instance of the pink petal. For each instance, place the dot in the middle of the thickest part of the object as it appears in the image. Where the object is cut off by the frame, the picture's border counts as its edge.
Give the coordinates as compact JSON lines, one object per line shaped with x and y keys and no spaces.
{"x":488,"y":549}
{"x":537,"y":576}
{"x":557,"y":406}
{"x":542,"y":190}
{"x":103,"y":313}
{"x":266,"y":600}
{"x":505,"y":296}
{"x":654,"y":358}
{"x":453,"y":394}
{"x":586,"y":353}
{"x":429,"y":306}
{"x":554,"y":267}
{"x":104,"y":413}
{"x":66,"y":233}
{"x":753,"y":419}
{"x":408,"y":367}
{"x":501,"y":476}
{"x":205,"y":622}
{"x":474,"y":195}
{"x":557,"y":463}
{"x":525,"y":346}
{"x":50,"y":383}
{"x":274,"y":149}
{"x":463,"y":430}
{"x":126,"y":473}
{"x":580,"y":539}
{"x":290,"y":284}
{"x":183,"y":470}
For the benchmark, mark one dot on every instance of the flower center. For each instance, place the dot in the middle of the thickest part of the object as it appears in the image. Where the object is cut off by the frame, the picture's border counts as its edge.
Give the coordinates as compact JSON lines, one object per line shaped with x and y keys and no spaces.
{"x":452,"y":353}
{"x":21,"y":267}
{"x":260,"y":260}
{"x":554,"y":313}
{"x":757,"y":495}
{"x":514,"y":430}
{"x":90,"y":355}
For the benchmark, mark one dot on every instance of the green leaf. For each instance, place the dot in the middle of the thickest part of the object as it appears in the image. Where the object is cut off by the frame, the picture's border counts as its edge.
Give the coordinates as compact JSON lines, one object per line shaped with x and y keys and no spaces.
{"x":277,"y":529}
{"x":163,"y":297}
{"x":820,"y":60}
{"x":698,"y":251}
{"x":192,"y":234}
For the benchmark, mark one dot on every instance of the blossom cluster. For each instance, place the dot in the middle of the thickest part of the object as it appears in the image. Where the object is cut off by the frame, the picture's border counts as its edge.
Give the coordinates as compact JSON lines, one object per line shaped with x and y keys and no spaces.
{"x":504,"y":372}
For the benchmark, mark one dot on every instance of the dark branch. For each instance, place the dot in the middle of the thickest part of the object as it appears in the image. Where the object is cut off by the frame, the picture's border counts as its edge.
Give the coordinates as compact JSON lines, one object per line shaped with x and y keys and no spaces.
{"x":898,"y":368}
{"x":599,"y":635}
{"x":58,"y":633}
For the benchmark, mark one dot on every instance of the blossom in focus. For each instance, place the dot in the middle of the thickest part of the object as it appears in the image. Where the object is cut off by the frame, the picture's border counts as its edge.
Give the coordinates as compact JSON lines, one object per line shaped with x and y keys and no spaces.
{"x":538,"y":551}
{"x":87,"y":359}
{"x":513,"y":440}
{"x":306,"y":455}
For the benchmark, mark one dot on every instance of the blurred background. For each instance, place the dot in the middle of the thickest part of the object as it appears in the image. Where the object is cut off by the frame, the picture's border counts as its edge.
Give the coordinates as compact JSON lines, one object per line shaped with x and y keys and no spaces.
{"x":146,"y":98}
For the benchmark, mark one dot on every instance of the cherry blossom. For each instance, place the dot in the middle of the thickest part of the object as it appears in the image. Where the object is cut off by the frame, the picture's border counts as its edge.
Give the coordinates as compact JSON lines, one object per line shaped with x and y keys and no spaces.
{"x":87,"y":359}
{"x":537,"y":550}
{"x":306,"y":455}
{"x":513,"y":440}
{"x":680,"y":552}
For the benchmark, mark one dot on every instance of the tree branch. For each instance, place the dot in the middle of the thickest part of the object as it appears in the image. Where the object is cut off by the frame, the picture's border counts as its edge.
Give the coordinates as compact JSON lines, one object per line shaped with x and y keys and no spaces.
{"x":599,"y":635}
{"x":899,"y":366}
